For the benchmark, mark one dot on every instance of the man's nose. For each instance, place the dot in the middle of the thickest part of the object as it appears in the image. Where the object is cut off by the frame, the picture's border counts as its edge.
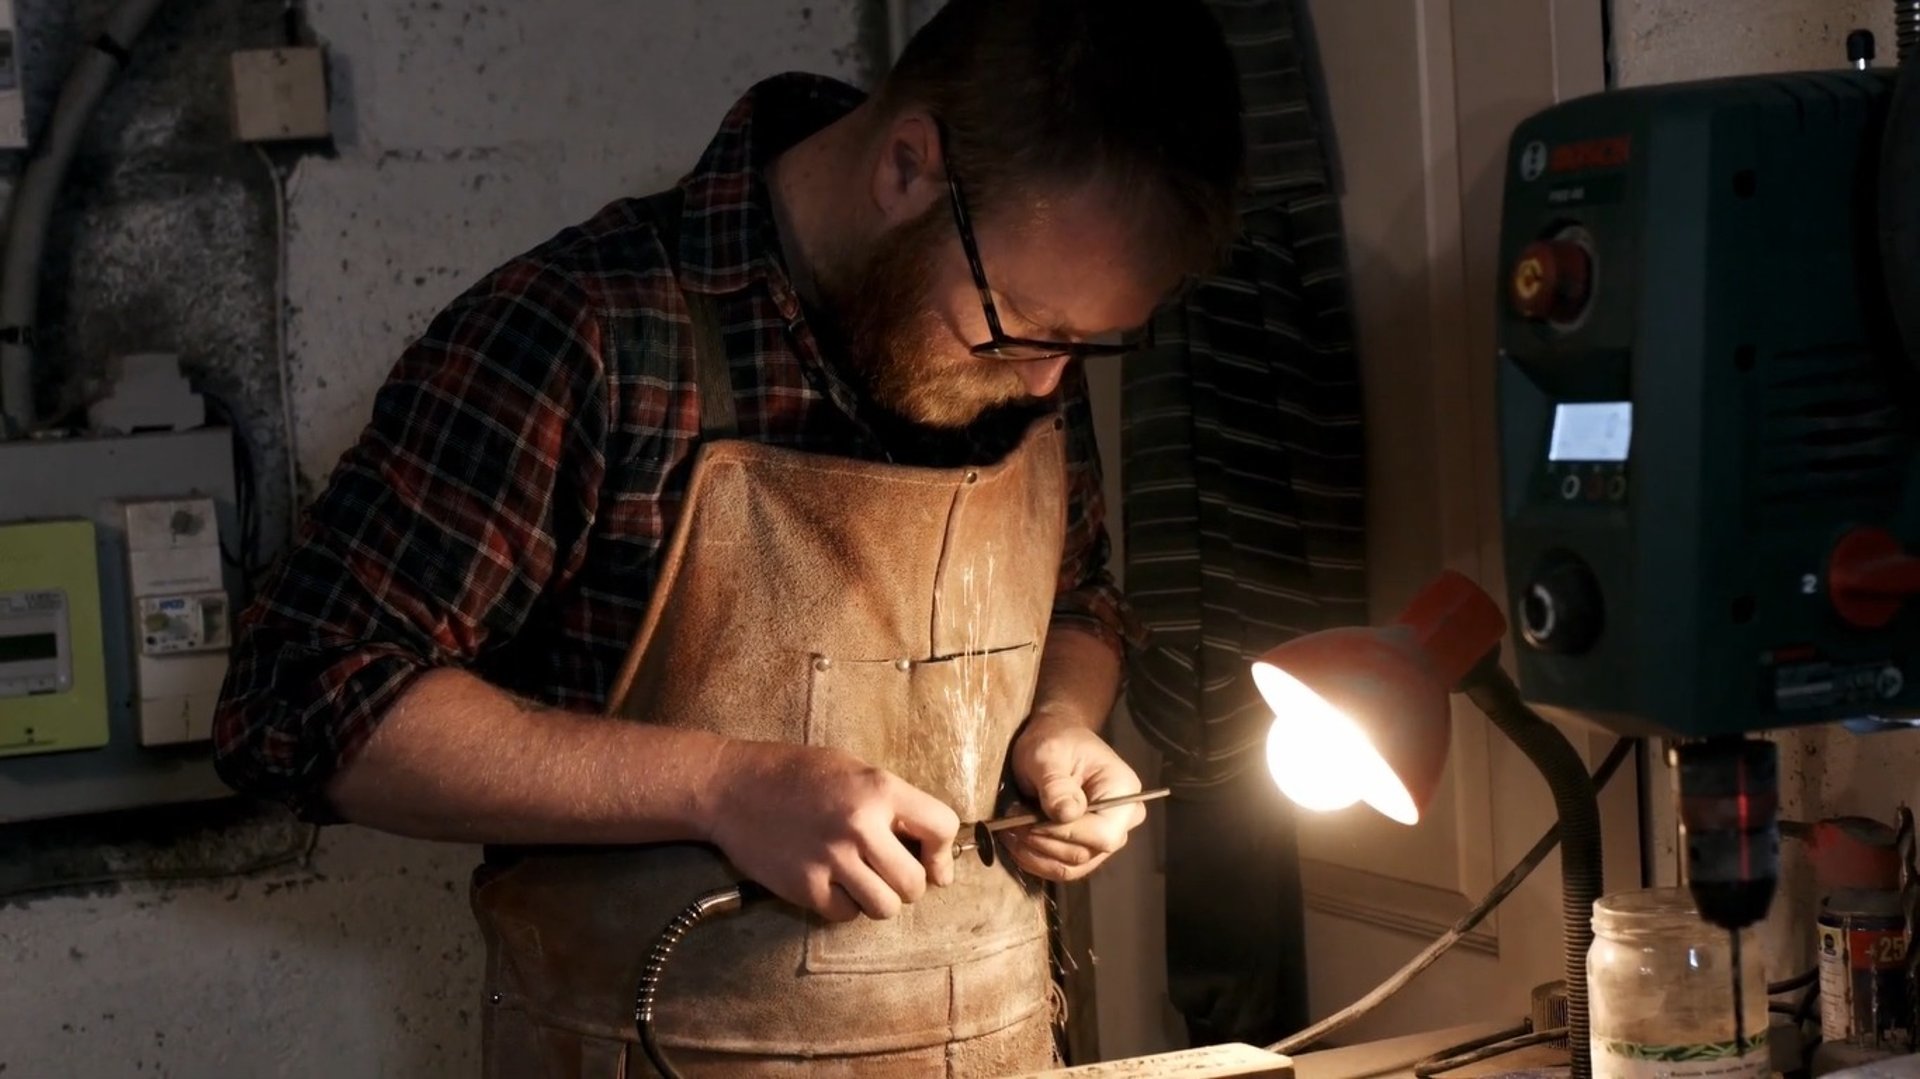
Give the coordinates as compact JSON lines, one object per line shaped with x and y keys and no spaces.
{"x":1042,"y":376}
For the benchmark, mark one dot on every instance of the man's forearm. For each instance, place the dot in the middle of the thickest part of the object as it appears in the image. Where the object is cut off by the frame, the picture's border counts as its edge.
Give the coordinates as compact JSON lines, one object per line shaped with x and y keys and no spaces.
{"x":1079,"y":679}
{"x":457,"y":759}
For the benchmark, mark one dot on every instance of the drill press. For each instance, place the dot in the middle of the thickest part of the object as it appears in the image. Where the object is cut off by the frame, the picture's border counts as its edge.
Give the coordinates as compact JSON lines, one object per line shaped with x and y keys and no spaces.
{"x":1710,"y":465}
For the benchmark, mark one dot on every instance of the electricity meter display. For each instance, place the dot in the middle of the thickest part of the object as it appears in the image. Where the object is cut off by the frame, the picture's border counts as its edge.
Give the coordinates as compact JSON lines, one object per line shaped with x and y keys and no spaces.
{"x":27,"y":647}
{"x":34,"y":657}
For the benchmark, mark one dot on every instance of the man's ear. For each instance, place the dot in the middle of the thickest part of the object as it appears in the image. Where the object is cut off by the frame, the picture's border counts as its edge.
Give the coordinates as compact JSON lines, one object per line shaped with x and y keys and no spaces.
{"x":909,"y":173}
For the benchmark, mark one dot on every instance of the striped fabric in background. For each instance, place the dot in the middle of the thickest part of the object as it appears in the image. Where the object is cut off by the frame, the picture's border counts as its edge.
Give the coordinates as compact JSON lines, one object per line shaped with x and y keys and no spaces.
{"x":1244,"y":473}
{"x":1243,"y":502}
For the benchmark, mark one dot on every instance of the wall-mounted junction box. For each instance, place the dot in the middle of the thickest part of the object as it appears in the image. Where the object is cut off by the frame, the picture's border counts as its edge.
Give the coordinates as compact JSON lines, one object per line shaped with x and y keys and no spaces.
{"x":114,"y":483}
{"x":280,"y":95}
{"x":53,"y":685}
{"x":180,"y":616}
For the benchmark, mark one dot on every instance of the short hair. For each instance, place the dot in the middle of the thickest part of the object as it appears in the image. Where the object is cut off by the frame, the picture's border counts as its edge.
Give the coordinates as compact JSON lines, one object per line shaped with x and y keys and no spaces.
{"x":1037,"y":92}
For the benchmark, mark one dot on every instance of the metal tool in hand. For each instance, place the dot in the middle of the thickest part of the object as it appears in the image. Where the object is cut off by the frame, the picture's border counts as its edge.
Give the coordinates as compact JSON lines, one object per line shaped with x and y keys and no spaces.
{"x":981,"y":833}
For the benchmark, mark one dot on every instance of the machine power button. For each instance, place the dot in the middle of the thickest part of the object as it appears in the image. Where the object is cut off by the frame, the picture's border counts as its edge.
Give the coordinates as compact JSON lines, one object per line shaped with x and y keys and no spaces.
{"x":1570,"y":488}
{"x":1552,"y":281}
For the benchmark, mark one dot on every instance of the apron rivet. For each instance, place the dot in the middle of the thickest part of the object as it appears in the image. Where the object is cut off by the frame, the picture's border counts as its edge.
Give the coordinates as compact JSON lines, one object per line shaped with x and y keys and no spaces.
{"x":823,"y":664}
{"x":973,"y":477}
{"x":493,"y":998}
{"x":1059,"y":422}
{"x":904,"y":664}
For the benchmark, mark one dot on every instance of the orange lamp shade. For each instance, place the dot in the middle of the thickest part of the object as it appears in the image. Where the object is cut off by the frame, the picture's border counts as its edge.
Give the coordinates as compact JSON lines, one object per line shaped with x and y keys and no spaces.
{"x":1362,"y":715}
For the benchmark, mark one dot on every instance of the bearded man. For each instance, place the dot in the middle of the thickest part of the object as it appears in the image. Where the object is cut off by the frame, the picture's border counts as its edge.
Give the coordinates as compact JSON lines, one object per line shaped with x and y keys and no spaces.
{"x":753,"y":530}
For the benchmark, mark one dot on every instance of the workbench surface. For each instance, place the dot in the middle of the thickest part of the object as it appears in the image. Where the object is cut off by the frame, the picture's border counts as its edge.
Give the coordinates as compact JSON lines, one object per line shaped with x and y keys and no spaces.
{"x":1394,"y":1058}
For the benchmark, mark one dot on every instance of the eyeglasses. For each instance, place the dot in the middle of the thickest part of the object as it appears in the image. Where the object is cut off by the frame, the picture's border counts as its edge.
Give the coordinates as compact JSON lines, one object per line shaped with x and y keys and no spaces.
{"x":1002,"y":345}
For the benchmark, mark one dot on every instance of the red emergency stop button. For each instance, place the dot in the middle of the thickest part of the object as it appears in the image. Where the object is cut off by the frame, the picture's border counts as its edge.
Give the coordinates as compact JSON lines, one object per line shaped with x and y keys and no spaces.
{"x":1552,"y":281}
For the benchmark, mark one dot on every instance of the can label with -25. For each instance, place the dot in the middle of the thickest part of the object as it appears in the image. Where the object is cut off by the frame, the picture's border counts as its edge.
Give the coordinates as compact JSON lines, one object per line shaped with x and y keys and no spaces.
{"x":1863,"y":969}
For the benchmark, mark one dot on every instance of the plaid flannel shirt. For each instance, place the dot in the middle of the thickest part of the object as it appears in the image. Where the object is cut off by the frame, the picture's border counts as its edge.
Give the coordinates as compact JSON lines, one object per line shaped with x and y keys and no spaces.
{"x":506,"y":507}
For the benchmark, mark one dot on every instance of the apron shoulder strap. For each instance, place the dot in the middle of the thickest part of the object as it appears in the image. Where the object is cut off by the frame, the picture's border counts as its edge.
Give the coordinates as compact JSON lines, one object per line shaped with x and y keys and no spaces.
{"x":712,"y":372}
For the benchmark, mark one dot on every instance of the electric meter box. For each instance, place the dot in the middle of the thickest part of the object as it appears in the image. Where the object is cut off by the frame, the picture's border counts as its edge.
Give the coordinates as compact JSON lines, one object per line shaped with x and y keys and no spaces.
{"x":53,"y":683}
{"x":124,"y":537}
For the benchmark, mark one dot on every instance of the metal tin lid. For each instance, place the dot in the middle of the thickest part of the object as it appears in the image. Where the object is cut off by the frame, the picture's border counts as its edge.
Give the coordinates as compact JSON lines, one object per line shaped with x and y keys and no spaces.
{"x":1862,"y":902}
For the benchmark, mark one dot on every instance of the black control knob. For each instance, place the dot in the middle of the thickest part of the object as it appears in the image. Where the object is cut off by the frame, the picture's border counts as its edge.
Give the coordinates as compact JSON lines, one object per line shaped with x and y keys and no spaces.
{"x":1561,"y":610}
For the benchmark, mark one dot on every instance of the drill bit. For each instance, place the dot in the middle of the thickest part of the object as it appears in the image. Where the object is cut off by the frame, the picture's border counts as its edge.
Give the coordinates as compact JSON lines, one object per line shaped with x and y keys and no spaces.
{"x":1739,"y":1002}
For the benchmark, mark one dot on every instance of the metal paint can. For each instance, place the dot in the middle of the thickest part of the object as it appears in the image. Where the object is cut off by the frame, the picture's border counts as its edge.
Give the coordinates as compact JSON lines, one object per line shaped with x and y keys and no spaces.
{"x":1862,"y":945}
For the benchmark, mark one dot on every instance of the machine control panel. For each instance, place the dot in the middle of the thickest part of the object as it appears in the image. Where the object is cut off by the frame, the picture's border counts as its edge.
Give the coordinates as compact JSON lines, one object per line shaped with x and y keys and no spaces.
{"x":1587,"y":452}
{"x":1706,"y":440}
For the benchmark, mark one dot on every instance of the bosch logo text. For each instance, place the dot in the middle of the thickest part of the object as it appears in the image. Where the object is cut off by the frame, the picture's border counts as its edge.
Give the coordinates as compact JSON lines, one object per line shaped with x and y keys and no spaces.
{"x":1591,"y":154}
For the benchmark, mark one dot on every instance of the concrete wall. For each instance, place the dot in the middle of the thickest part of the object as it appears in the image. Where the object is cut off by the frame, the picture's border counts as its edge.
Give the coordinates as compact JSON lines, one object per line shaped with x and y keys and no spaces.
{"x":1672,"y":40}
{"x":475,"y":130}
{"x":1824,"y":772}
{"x":468,"y":130}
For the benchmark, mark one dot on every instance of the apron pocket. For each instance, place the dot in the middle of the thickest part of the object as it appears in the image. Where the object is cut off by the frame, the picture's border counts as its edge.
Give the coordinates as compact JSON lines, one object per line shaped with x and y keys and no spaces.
{"x":944,"y":726}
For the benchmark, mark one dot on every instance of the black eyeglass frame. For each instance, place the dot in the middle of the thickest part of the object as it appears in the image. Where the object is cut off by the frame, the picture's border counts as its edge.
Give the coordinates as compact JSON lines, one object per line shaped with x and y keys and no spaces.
{"x":1002,"y":345}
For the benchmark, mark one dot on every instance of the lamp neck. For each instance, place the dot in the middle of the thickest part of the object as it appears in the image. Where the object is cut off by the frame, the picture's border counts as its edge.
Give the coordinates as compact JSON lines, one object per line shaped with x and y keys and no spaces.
{"x":1581,"y":872}
{"x":1455,"y":624}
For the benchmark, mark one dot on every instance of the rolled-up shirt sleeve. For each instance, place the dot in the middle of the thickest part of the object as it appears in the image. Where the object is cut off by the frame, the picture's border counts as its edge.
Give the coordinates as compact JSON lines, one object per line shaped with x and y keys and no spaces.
{"x":467,"y":497}
{"x":1088,"y":598}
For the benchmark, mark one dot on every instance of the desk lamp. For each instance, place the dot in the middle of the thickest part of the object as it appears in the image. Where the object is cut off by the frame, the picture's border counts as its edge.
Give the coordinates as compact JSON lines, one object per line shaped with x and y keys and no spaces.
{"x":1362,"y":715}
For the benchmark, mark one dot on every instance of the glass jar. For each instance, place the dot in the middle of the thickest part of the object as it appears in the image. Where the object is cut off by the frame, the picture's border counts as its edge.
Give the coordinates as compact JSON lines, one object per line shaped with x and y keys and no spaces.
{"x":1660,"y":992}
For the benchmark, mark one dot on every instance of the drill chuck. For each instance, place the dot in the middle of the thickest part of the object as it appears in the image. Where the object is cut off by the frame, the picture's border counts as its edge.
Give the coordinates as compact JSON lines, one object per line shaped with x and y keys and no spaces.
{"x":1728,"y":793}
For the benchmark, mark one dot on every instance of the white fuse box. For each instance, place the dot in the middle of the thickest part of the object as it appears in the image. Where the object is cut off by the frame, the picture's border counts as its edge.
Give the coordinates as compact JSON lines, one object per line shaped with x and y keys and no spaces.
{"x":181,"y":617}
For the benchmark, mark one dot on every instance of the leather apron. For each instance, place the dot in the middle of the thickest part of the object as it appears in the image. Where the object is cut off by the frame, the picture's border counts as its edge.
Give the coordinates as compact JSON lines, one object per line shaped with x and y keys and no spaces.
{"x":896,"y":613}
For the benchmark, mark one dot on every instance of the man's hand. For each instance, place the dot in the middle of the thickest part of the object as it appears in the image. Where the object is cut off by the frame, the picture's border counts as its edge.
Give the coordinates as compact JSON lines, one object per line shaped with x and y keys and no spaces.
{"x":824,"y":830}
{"x":1062,"y":765}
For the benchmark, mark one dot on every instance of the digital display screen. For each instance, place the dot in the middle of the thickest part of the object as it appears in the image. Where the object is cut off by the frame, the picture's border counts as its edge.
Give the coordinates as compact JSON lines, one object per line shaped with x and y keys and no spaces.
{"x":29,"y":646}
{"x":1599,"y":432}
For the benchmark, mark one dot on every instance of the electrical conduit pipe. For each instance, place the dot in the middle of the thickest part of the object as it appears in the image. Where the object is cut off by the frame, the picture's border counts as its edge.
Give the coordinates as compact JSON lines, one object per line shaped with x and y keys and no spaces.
{"x":33,"y":203}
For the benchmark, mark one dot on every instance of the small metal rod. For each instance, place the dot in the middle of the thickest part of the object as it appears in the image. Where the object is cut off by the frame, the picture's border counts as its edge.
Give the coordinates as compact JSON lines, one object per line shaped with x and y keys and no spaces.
{"x":1027,"y":820}
{"x":975,"y":832}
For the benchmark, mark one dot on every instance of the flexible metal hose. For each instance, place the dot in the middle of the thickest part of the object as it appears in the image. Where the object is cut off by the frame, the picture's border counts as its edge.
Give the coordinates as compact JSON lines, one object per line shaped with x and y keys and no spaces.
{"x":1581,"y":873}
{"x":723,"y":901}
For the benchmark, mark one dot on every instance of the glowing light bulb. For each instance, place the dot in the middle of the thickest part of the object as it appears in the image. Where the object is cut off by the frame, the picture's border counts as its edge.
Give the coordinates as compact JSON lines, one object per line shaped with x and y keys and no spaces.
{"x":1320,"y":758}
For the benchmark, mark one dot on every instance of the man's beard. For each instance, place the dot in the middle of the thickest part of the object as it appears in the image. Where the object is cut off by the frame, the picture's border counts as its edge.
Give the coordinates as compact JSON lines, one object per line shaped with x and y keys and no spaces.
{"x":895,"y":344}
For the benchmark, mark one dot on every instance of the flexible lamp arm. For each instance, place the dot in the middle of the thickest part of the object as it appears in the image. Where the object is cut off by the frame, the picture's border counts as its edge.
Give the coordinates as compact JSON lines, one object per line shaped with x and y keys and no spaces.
{"x":1581,"y":872}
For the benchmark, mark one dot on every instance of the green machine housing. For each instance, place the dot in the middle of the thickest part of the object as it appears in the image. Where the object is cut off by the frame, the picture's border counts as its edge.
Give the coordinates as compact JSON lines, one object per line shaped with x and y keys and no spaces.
{"x":1701,"y":397}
